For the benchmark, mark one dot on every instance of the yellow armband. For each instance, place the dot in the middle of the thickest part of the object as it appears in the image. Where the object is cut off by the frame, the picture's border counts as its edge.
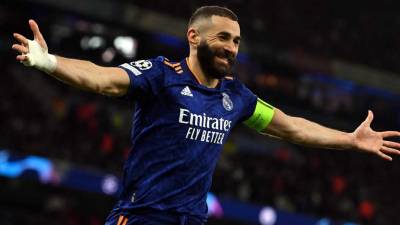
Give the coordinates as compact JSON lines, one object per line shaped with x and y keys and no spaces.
{"x":261,"y":117}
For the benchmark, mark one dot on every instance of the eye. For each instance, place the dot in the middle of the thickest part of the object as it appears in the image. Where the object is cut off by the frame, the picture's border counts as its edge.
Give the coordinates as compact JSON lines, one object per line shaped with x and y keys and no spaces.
{"x":223,"y":37}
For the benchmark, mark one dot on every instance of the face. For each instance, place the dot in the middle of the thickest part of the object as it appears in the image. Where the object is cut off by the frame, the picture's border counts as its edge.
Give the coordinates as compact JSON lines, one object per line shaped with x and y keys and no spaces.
{"x":218,"y":47}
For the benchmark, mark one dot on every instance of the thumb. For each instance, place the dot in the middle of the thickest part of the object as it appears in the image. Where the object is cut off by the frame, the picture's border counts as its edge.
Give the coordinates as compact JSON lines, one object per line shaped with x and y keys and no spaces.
{"x":369,"y":118}
{"x":36,"y":33}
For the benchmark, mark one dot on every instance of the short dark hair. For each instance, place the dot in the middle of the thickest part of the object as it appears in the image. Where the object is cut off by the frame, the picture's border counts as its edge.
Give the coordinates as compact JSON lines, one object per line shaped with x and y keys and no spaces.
{"x":206,"y":12}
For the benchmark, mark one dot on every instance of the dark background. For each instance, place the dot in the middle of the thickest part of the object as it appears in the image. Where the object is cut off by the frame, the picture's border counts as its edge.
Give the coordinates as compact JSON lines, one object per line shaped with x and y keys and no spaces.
{"x":41,"y":116}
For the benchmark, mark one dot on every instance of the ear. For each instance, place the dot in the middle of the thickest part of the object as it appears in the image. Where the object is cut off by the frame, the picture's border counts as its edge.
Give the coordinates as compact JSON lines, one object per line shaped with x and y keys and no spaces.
{"x":193,"y":37}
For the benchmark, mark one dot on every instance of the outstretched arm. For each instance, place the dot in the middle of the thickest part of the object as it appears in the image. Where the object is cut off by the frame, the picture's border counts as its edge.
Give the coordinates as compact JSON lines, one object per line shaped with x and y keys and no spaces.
{"x":112,"y":81}
{"x":305,"y":132}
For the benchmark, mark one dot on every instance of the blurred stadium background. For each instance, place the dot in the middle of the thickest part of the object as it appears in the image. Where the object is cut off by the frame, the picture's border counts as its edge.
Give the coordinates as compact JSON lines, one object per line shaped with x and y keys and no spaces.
{"x":61,"y":149}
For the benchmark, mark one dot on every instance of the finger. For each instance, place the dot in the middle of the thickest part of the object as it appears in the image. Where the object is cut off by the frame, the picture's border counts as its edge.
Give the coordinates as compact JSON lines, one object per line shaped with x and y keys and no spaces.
{"x":21,"y":49}
{"x":390,"y":150}
{"x":369,"y":118}
{"x":22,"y":58}
{"x":391,"y":144}
{"x":22,"y":39}
{"x":36,"y":32}
{"x":384,"y":156}
{"x":390,"y":133}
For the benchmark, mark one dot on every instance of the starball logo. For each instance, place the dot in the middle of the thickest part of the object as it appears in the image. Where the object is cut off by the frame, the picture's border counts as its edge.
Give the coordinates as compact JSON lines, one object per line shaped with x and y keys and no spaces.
{"x":204,"y":128}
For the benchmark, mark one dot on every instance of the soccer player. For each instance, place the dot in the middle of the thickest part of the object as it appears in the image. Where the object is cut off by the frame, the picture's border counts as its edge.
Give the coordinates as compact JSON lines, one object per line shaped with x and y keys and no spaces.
{"x":184,"y":113}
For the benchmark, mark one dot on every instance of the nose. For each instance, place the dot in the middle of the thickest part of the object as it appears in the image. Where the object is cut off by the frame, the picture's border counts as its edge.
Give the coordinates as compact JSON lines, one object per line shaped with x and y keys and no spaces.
{"x":230,"y":48}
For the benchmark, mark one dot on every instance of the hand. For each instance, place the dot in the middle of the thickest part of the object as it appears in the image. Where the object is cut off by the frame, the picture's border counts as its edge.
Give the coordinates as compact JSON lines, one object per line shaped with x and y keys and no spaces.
{"x":368,"y":140}
{"x":23,"y":46}
{"x":35,"y":53}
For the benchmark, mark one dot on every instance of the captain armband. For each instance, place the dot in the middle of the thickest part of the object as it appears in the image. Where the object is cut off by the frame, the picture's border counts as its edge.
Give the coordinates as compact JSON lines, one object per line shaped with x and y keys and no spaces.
{"x":261,"y":117}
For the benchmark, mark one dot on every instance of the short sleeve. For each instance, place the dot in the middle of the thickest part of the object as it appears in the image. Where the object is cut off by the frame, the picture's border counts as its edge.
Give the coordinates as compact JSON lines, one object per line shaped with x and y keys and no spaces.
{"x":257,"y":114}
{"x":249,"y":100}
{"x":145,"y":76}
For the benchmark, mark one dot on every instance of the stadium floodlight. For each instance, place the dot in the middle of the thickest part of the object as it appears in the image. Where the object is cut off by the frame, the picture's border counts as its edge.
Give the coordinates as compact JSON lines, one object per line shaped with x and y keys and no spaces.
{"x":110,"y":185}
{"x":108,"y":55}
{"x":92,"y":43}
{"x":126,"y":45}
{"x":267,"y":216}
{"x":324,"y":221}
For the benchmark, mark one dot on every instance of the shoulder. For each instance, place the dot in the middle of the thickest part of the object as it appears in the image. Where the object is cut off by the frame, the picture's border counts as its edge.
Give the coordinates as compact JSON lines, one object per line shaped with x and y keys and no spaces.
{"x":173,"y":66}
{"x":233,"y":84}
{"x":160,"y":63}
{"x":143,"y":66}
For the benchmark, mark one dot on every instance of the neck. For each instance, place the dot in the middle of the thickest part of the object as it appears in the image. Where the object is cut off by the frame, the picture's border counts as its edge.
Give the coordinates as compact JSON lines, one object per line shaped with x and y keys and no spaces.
{"x":202,"y":78}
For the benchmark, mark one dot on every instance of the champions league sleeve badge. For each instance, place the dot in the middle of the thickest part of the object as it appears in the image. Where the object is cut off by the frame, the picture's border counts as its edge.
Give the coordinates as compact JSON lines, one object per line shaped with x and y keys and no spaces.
{"x":227,"y":102}
{"x":142,"y":64}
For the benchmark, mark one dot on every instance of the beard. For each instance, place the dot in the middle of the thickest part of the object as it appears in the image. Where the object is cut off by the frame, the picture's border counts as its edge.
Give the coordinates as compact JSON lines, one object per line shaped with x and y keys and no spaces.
{"x":206,"y":57}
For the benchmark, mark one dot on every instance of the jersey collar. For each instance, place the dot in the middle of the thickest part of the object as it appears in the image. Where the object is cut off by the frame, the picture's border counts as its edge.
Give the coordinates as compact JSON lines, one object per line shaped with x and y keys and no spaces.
{"x":193,"y":77}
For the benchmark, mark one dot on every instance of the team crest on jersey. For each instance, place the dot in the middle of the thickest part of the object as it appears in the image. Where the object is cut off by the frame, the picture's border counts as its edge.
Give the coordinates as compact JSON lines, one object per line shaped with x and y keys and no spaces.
{"x":142,"y":64}
{"x":227,"y":102}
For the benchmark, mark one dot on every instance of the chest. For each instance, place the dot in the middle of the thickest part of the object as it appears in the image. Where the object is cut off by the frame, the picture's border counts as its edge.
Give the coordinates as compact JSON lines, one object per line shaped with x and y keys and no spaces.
{"x":203,"y":103}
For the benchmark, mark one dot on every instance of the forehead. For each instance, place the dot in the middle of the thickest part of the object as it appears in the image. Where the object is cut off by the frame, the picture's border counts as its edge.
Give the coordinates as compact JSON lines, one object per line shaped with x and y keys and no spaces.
{"x":224,"y":24}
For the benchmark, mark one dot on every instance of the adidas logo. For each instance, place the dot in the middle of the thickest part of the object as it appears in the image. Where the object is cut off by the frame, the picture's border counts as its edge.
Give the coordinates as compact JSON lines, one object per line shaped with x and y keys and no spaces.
{"x":186,"y":91}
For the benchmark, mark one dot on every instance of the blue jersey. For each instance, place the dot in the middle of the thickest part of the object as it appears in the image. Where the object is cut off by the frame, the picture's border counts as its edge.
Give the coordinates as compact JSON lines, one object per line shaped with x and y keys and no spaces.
{"x":179,"y":128}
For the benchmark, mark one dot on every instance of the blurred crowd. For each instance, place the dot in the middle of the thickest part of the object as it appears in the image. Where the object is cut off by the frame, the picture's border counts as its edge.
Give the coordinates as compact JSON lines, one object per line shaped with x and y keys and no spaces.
{"x":339,"y":185}
{"x":41,"y":116}
{"x":366,"y":33}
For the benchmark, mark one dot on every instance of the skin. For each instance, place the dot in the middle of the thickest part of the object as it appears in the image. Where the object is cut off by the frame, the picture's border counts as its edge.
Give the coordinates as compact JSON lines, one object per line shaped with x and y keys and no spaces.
{"x":85,"y":75}
{"x":219,"y":33}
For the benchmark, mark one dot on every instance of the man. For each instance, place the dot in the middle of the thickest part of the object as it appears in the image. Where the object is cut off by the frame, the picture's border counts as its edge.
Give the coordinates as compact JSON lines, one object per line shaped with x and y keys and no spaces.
{"x":183,"y":115}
